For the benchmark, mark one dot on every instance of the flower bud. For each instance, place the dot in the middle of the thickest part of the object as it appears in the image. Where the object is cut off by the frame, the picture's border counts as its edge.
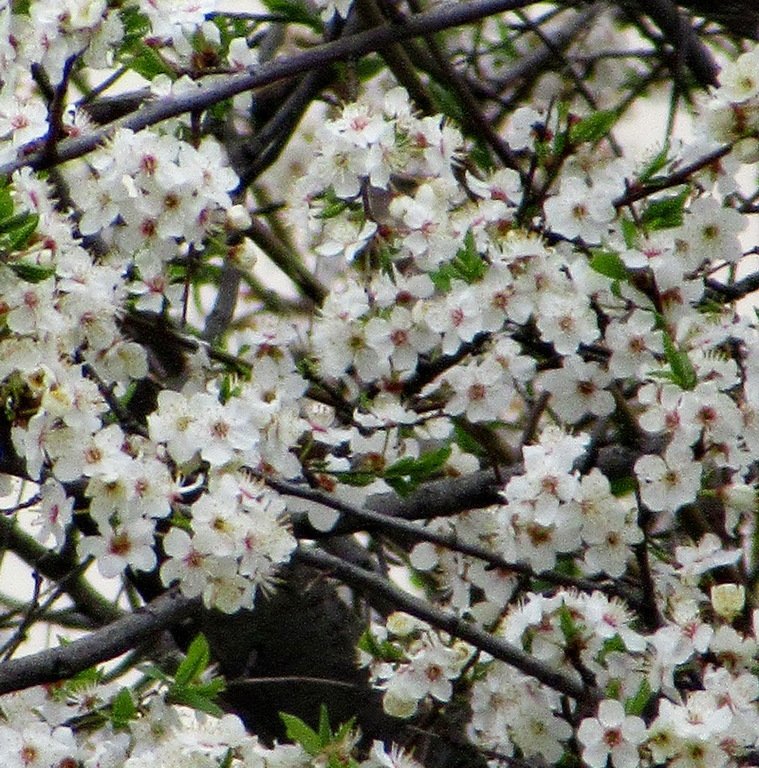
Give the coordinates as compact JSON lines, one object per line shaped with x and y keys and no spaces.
{"x":238,"y":218}
{"x":728,"y":600}
{"x":243,"y":255}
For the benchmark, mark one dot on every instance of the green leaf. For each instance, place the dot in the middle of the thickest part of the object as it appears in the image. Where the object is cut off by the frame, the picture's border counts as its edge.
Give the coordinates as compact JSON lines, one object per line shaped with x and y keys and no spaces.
{"x":629,"y":231}
{"x":481,"y":156}
{"x":333,"y":208}
{"x":593,"y":128}
{"x":356,"y":479}
{"x":295,"y":12}
{"x":152,"y":672}
{"x":567,"y":624}
{"x":146,"y":61}
{"x":210,"y":689}
{"x":325,"y":730}
{"x":6,"y":204}
{"x":623,"y":486}
{"x":665,"y":212}
{"x":447,"y":102}
{"x":300,"y":733}
{"x":636,"y":705}
{"x":368,"y":67}
{"x":683,"y":372}
{"x":344,"y":730}
{"x":136,"y":25}
{"x":13,"y":223}
{"x":654,"y":165}
{"x":123,"y":709}
{"x":467,"y":442}
{"x":468,"y":262}
{"x":467,"y":265}
{"x":189,"y":696}
{"x":195,"y":662}
{"x":609,"y":264}
{"x":20,"y":235}
{"x":407,"y":473}
{"x":383,"y":650}
{"x":31,"y":273}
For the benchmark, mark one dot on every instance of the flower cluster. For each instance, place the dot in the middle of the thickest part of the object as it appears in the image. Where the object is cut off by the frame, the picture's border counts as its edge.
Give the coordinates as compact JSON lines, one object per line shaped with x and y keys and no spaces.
{"x":560,"y":336}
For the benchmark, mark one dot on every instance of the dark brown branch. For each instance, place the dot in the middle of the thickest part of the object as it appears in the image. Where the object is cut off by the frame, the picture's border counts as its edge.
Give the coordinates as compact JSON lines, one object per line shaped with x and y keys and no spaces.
{"x":120,"y":636}
{"x":377,"y":586}
{"x":443,"y":17}
{"x":367,"y":520}
{"x":681,"y":35}
{"x":682,"y":176}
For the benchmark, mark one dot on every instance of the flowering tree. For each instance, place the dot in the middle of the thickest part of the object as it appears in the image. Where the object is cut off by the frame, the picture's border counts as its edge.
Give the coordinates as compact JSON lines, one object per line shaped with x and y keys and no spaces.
{"x":392,"y":389}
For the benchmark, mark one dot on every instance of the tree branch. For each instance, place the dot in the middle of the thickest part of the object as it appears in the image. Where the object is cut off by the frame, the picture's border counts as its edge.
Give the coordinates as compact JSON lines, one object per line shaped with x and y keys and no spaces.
{"x":448,"y":622}
{"x":120,"y":636}
{"x":367,"y":520}
{"x":443,"y":17}
{"x":682,"y":37}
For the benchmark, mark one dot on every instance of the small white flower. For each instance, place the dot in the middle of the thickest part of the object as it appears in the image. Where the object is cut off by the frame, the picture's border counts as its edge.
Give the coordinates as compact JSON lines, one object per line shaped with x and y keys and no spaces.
{"x":611,"y":734}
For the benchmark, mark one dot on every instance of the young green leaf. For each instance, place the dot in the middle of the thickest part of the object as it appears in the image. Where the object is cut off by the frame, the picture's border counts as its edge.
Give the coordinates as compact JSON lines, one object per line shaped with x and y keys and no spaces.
{"x":683,"y":372}
{"x":301,"y":733}
{"x":295,"y":12}
{"x":123,"y":709}
{"x":593,"y":128}
{"x":325,"y":730}
{"x":665,"y":212}
{"x":189,"y":696}
{"x":195,"y":662}
{"x":654,"y":165}
{"x":609,"y":264}
{"x":635,"y":705}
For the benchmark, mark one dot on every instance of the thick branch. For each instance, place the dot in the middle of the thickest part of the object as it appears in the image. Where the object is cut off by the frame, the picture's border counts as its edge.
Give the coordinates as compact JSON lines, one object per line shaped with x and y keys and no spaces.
{"x":377,"y":586}
{"x":122,"y":635}
{"x":367,"y":520}
{"x":443,"y":17}
{"x":683,"y":38}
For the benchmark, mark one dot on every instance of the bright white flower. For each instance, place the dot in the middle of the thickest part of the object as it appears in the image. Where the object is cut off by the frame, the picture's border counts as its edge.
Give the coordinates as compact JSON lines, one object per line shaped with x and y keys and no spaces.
{"x":98,"y":455}
{"x":184,"y":563}
{"x":55,"y":513}
{"x":37,"y":745}
{"x":395,"y":758}
{"x":738,"y":79}
{"x":458,"y":317}
{"x":399,"y":338}
{"x":130,"y":544}
{"x":579,"y":211}
{"x":521,"y":129}
{"x":666,"y":483}
{"x":170,"y":423}
{"x":480,"y":391}
{"x":710,"y":553}
{"x":611,"y":734}
{"x":578,"y":388}
{"x":711,"y":232}
{"x":633,"y":343}
{"x":566,"y":320}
